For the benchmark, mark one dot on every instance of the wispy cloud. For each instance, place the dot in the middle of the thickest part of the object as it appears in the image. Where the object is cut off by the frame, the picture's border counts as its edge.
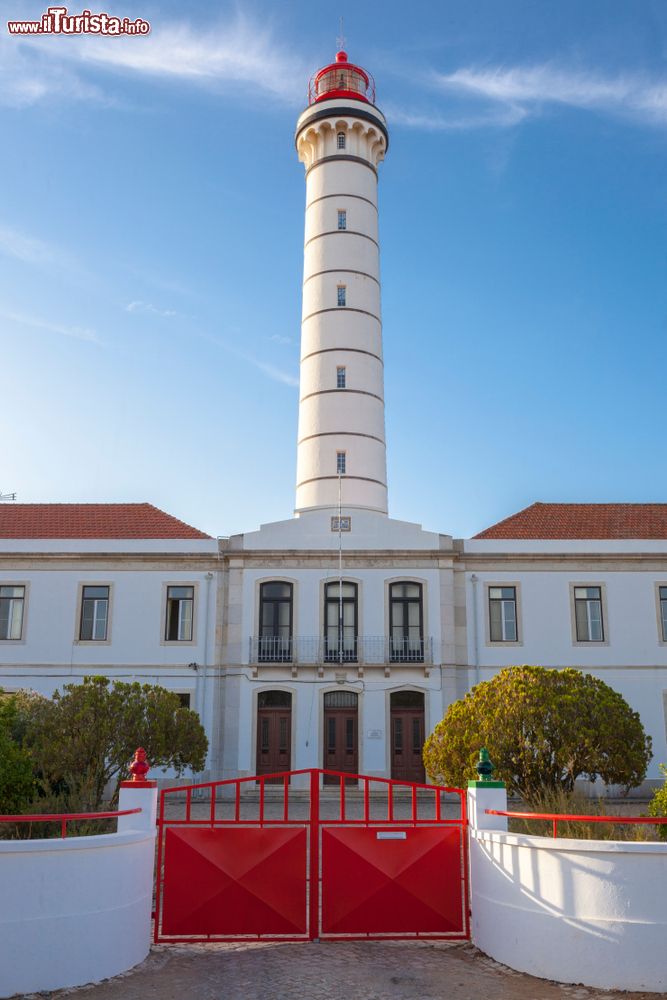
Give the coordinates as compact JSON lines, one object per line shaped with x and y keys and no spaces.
{"x":271,"y":371}
{"x":76,"y":332}
{"x":147,"y":308}
{"x":277,"y":374}
{"x":436,"y":121}
{"x":26,"y":248}
{"x":28,"y":76}
{"x":525,"y":90}
{"x":278,"y":338}
{"x":241,"y":53}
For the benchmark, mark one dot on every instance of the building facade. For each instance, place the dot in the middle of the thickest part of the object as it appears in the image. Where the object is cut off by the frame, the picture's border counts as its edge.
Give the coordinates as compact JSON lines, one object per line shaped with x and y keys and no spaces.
{"x":122,"y":590}
{"x":337,"y":638}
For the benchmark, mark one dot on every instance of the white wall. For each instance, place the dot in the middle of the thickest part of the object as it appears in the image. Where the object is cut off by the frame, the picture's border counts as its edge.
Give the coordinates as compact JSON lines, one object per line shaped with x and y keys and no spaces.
{"x":632,"y":659}
{"x":589,"y":912}
{"x":136,"y":628}
{"x":77,"y":910}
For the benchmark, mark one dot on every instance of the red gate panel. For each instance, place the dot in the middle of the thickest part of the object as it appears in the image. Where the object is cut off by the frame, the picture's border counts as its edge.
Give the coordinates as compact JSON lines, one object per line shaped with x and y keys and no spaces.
{"x":392,"y":881}
{"x":232,"y":881}
{"x":244,"y":867}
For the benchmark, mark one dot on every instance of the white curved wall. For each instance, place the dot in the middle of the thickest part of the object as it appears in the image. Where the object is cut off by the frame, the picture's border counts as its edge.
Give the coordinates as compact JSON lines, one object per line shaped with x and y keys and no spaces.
{"x":590,"y":912}
{"x":74,"y":911}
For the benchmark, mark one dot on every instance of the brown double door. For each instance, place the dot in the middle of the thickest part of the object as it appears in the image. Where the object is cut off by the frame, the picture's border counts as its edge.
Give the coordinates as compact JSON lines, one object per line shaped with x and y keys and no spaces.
{"x":407,"y":735}
{"x":341,"y":734}
{"x":274,"y":732}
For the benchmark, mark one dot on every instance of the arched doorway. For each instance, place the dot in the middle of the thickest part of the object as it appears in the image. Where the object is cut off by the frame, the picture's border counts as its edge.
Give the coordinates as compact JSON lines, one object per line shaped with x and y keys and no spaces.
{"x":407,"y":735}
{"x":341,"y":733}
{"x":274,"y":732}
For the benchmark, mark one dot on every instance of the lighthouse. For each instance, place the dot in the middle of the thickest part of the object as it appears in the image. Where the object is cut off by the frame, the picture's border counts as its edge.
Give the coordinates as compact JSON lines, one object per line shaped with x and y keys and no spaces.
{"x":341,"y":138}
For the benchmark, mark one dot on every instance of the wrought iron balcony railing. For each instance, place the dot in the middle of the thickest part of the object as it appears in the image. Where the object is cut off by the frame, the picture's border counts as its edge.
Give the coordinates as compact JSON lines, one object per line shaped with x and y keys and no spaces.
{"x":366,"y":649}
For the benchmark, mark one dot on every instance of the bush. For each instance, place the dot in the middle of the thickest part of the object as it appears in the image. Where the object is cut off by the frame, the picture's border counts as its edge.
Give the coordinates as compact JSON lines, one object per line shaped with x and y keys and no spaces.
{"x":658,"y":804}
{"x":17,"y":784}
{"x":85,"y":737}
{"x":543,"y":730}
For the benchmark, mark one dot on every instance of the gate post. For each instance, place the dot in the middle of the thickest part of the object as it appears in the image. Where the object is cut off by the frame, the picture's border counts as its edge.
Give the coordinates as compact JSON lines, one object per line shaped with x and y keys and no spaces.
{"x":486,"y":794}
{"x":141,"y":793}
{"x":138,"y":792}
{"x":482,"y":795}
{"x":314,"y":919}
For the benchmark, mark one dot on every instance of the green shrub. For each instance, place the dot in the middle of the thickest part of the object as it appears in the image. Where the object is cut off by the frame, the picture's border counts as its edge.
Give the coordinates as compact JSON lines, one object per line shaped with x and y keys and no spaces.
{"x":543,"y":729}
{"x":658,"y":804}
{"x":17,"y":784}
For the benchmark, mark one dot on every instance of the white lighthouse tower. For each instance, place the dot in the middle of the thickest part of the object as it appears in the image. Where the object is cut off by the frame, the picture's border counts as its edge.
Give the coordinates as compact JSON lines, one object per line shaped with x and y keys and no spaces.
{"x":341,"y":138}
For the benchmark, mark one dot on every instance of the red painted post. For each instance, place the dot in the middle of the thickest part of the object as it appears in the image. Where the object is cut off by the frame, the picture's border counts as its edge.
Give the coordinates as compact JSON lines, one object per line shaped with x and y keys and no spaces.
{"x":314,"y":921}
{"x":555,"y":827}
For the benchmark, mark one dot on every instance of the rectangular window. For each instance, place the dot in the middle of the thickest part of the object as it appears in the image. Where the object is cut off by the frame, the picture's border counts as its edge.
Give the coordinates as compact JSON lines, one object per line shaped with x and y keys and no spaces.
{"x":94,"y":614}
{"x":342,"y":218}
{"x":406,"y":622}
{"x":502,"y":614}
{"x":275,"y":621}
{"x":184,"y":698}
{"x":588,"y":614}
{"x":340,"y":624}
{"x":180,"y":603}
{"x":340,"y":463}
{"x":663,"y":612}
{"x":12,"y":601}
{"x":340,"y":140}
{"x":341,"y":295}
{"x":340,"y":377}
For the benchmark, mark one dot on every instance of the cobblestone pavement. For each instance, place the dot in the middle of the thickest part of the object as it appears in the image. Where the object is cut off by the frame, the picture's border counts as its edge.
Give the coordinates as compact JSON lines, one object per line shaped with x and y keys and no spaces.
{"x":331,"y":971}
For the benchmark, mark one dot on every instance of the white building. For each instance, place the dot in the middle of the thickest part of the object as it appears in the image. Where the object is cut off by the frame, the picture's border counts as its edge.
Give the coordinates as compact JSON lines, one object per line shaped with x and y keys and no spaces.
{"x":118,"y":589}
{"x":337,"y":638}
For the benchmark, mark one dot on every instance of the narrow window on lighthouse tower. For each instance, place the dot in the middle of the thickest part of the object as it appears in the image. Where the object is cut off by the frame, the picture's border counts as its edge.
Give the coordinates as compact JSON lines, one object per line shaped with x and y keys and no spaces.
{"x":342,"y":218}
{"x":340,"y":377}
{"x":341,"y":295}
{"x":340,"y":463}
{"x":340,"y":140}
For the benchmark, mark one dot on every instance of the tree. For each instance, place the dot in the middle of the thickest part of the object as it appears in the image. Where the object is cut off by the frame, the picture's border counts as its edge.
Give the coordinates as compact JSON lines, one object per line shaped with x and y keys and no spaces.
{"x":86,"y":736}
{"x":543,"y":730}
{"x":17,"y":784}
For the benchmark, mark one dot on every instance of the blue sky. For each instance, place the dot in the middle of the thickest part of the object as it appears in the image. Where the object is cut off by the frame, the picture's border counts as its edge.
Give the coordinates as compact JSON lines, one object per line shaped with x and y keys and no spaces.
{"x":151,"y":231}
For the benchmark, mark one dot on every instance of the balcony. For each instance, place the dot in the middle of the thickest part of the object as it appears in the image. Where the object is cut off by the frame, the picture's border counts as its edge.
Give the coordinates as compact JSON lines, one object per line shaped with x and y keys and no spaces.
{"x":367,"y":650}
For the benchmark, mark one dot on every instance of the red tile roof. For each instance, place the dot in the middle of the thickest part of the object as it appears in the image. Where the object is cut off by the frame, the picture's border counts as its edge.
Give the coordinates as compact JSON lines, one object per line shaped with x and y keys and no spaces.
{"x":91,"y":520}
{"x":583,"y":520}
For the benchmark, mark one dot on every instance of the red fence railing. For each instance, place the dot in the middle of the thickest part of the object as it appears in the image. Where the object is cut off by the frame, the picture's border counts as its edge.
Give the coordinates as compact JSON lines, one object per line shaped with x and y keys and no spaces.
{"x":65,"y":818}
{"x":557,"y":818}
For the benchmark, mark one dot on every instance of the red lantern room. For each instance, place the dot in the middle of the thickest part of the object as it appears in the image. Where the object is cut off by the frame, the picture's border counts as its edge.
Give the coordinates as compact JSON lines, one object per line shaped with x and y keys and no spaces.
{"x":341,"y":79}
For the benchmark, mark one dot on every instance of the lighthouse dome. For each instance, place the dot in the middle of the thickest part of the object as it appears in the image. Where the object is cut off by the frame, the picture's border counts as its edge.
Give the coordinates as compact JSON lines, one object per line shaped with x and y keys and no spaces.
{"x":341,"y":79}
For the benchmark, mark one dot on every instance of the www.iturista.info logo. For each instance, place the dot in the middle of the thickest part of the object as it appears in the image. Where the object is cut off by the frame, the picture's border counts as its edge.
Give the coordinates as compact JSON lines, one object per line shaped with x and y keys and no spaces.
{"x":56,"y":21}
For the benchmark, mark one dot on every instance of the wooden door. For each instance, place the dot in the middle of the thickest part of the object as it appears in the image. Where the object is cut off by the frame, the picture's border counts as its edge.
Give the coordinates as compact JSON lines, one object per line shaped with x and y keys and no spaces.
{"x":407,"y":735}
{"x":341,"y":735}
{"x":274,"y":732}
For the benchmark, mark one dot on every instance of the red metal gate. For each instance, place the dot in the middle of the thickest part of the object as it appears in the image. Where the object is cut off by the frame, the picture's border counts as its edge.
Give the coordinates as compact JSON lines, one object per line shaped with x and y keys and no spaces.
{"x":384,"y":859}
